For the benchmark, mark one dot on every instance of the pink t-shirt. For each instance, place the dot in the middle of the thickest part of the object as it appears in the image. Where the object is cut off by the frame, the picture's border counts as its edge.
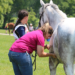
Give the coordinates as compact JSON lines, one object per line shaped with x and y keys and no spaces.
{"x":28,"y":42}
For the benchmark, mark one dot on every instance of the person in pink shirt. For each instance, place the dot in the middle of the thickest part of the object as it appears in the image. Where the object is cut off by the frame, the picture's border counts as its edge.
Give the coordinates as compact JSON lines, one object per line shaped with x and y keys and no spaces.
{"x":19,"y":53}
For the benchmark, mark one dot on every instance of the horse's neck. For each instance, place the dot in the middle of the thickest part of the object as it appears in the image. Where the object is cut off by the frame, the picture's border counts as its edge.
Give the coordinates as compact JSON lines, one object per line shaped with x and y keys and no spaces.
{"x":55,"y":22}
{"x":55,"y":19}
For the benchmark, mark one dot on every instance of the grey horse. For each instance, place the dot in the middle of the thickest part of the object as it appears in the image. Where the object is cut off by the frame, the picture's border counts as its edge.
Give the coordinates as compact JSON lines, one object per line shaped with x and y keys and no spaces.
{"x":63,"y":37}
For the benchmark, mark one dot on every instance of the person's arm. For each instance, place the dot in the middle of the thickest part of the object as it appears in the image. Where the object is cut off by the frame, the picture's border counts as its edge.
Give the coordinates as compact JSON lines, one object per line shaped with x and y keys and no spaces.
{"x":41,"y":53}
{"x":45,"y":46}
{"x":26,"y":29}
{"x":6,"y":26}
{"x":21,"y":31}
{"x":51,"y":41}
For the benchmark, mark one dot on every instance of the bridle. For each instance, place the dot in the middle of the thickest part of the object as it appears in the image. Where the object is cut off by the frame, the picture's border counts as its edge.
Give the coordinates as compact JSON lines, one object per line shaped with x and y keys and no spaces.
{"x":41,"y":16}
{"x":40,"y":26}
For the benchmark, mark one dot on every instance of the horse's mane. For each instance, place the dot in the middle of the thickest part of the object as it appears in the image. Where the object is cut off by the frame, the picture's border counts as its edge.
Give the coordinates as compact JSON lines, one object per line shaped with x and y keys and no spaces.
{"x":55,"y":7}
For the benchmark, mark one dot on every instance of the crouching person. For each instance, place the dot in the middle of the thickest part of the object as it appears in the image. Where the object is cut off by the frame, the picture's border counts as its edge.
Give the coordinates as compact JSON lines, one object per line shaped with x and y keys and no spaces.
{"x":19,"y":53}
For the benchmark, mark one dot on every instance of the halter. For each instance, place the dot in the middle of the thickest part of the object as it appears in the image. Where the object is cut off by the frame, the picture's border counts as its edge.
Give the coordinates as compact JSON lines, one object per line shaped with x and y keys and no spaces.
{"x":48,"y":4}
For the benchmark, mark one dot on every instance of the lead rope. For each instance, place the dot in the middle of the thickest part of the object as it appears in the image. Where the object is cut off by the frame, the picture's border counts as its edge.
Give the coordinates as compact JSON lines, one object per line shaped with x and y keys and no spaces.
{"x":35,"y":59}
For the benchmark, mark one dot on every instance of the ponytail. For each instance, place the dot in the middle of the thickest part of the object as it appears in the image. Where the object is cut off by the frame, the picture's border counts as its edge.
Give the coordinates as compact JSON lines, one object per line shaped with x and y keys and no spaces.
{"x":21,"y":15}
{"x":18,"y":21}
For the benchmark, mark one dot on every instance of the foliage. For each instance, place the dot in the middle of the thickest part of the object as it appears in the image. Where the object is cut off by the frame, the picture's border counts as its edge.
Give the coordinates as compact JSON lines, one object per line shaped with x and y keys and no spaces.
{"x":1,"y":20}
{"x":13,"y":19}
{"x":32,"y":18}
{"x":5,"y":7}
{"x":67,"y":6}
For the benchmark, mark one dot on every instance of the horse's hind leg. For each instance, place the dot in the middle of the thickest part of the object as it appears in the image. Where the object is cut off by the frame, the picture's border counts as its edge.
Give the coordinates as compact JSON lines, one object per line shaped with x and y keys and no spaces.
{"x":69,"y":64}
{"x":12,"y":30}
{"x":9,"y":31}
{"x":65,"y":51}
{"x":66,"y":56}
{"x":67,"y":59}
{"x":69,"y":69}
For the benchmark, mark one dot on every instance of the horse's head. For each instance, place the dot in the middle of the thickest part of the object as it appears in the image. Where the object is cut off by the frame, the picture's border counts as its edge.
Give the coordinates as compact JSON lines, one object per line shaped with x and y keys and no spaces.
{"x":50,"y":12}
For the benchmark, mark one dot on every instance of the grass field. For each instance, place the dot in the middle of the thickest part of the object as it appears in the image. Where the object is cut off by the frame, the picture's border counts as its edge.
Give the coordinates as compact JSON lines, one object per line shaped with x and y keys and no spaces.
{"x":3,"y":31}
{"x":42,"y":65}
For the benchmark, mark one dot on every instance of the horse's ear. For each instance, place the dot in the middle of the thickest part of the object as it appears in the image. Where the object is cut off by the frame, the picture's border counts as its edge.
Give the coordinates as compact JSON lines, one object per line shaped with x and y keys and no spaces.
{"x":51,"y":2}
{"x":42,"y":3}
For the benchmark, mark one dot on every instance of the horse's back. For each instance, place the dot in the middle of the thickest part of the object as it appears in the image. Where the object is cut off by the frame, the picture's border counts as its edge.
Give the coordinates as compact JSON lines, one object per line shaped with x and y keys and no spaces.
{"x":11,"y":25}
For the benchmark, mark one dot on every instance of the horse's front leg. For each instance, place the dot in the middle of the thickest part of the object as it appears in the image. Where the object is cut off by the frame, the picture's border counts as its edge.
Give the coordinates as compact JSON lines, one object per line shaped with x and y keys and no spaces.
{"x":53,"y":65}
{"x":53,"y":62}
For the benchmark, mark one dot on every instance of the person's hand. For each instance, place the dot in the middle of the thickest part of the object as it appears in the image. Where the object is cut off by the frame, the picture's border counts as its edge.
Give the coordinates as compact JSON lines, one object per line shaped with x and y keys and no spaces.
{"x":47,"y":46}
{"x":53,"y":55}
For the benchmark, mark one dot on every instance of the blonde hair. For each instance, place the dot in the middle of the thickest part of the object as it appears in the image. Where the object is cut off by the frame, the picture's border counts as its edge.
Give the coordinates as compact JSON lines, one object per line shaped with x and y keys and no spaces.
{"x":46,"y":28}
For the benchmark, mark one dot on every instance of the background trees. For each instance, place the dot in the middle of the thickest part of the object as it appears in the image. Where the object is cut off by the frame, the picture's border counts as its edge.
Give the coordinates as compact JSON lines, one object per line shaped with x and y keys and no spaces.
{"x":9,"y":9}
{"x":5,"y":7}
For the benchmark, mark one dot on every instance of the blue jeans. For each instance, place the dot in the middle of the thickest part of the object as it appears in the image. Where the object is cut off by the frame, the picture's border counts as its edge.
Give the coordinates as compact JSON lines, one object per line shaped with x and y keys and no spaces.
{"x":22,"y":63}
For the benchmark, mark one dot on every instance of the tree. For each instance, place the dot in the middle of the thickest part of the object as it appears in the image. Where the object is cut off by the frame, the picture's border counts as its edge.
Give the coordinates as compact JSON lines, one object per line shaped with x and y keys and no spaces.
{"x":32,"y":18}
{"x":67,"y":6}
{"x":5,"y":7}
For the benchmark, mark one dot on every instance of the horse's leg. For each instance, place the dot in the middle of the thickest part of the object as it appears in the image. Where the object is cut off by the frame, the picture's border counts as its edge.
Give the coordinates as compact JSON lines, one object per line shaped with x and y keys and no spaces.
{"x":53,"y":62}
{"x":9,"y":31}
{"x":65,"y":48}
{"x":66,"y":56}
{"x":69,"y":69}
{"x":12,"y":30}
{"x":68,"y":63}
{"x":53,"y":65}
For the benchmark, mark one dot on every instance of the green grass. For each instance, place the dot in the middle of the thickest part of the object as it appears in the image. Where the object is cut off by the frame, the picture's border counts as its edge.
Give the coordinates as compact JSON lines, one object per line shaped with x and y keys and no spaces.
{"x":5,"y":65}
{"x":42,"y":65}
{"x":2,"y":31}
